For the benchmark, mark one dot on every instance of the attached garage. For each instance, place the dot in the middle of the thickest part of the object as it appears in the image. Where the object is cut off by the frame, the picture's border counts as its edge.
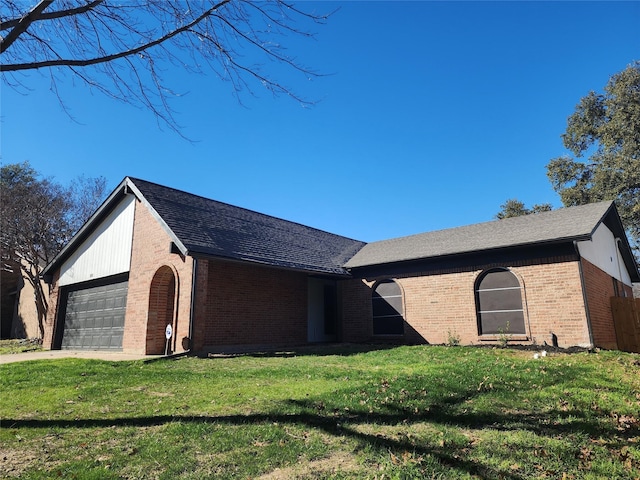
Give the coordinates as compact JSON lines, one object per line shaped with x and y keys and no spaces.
{"x":94,"y":284}
{"x":94,"y":317}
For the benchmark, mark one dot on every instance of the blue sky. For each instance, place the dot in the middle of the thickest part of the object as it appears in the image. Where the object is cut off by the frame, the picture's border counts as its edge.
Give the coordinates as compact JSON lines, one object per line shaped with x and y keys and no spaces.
{"x":433,"y":115}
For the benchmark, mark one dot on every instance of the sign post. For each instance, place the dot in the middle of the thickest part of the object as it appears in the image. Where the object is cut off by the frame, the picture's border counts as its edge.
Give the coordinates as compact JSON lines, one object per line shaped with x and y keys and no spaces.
{"x":168,"y":332}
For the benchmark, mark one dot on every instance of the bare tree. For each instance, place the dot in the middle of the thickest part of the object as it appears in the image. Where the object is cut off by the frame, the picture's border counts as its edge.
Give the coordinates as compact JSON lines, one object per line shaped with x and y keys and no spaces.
{"x":85,"y":195}
{"x":124,"y":49}
{"x":37,"y":218}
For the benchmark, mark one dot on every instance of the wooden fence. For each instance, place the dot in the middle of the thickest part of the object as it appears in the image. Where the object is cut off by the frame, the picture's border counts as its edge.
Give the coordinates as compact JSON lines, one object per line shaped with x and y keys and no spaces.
{"x":626,"y":318}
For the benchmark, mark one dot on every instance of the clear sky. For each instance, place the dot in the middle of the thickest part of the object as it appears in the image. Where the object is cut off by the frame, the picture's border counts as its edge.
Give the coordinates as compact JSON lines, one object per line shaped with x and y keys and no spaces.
{"x":433,"y":115}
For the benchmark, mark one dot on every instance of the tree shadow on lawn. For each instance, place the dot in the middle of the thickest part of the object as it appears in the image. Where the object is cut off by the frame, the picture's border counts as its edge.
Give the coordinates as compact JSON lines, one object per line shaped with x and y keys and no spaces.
{"x":332,"y":425}
{"x":341,"y":423}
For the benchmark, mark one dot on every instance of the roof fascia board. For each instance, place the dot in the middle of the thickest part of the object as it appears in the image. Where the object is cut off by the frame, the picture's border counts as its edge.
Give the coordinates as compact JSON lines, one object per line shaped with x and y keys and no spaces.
{"x":473,"y":258}
{"x":256,"y":263}
{"x":555,"y":241}
{"x":181,"y":246}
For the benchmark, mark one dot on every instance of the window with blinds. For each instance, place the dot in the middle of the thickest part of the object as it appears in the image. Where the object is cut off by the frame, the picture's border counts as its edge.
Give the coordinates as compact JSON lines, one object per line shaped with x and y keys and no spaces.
{"x":499,"y":303}
{"x":388,"y":312}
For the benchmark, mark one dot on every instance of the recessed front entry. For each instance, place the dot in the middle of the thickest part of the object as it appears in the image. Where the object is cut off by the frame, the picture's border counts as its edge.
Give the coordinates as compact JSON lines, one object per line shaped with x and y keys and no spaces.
{"x":162,"y":296}
{"x":322,"y":318}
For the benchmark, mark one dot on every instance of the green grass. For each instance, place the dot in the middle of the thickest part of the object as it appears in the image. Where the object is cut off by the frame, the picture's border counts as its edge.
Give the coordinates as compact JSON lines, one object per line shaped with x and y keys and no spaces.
{"x":19,"y":346}
{"x":392,"y":413}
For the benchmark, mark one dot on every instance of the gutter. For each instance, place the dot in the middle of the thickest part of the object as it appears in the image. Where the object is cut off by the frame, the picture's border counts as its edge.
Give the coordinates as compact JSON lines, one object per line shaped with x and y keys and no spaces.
{"x":584,"y":294}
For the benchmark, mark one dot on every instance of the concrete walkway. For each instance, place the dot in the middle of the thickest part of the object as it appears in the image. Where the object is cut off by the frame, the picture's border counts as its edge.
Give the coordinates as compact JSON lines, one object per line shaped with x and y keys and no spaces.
{"x":53,"y":354}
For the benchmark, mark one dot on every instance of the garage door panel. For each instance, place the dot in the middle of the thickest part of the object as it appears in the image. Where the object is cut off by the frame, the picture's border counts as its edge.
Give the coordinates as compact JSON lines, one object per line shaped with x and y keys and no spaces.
{"x":94,"y":318}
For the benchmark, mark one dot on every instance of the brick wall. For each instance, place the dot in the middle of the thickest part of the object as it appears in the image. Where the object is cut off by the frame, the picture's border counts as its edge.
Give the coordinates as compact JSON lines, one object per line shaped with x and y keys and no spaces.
{"x":555,"y":303}
{"x":250,"y":305}
{"x":442,"y":303}
{"x":201,"y":310}
{"x":599,"y":288}
{"x":150,"y":252}
{"x":52,"y":313}
{"x":357,"y":311}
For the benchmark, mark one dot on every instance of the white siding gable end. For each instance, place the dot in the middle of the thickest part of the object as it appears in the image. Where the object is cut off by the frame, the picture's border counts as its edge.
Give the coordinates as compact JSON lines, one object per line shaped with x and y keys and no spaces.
{"x":107,"y":251}
{"x":603,"y":251}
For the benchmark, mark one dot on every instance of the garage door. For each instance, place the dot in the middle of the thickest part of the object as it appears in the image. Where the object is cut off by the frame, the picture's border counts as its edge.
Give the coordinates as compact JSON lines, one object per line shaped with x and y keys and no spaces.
{"x":94,"y":318}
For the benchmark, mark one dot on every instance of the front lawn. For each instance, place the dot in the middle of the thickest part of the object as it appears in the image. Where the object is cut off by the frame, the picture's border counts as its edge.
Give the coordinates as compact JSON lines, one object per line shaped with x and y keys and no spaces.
{"x":406,"y":412}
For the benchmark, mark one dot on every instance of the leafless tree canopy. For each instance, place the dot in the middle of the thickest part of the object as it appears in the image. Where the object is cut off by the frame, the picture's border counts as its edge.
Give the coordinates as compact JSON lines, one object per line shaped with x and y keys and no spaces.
{"x":124,"y":49}
{"x":38,"y":216}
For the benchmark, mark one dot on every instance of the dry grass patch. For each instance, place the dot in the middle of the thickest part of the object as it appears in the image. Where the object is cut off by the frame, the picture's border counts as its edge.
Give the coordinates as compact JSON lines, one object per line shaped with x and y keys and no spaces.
{"x":337,"y":463}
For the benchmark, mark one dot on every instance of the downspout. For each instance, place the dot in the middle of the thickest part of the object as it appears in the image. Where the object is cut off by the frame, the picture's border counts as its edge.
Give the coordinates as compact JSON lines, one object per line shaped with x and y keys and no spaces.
{"x":194,"y":277}
{"x":584,"y":295}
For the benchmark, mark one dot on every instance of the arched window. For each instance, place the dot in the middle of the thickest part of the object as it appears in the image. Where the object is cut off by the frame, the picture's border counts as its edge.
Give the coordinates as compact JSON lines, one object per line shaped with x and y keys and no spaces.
{"x":388,"y":313}
{"x":499,"y":303}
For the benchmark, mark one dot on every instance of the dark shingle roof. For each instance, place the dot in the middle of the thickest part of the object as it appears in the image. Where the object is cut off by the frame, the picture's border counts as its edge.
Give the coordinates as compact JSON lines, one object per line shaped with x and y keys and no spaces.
{"x":208,"y":227}
{"x":565,"y":224}
{"x":200,"y":226}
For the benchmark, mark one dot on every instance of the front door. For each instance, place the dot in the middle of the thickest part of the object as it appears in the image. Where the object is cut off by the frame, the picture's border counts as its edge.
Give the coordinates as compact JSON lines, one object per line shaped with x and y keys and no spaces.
{"x":322,"y":318}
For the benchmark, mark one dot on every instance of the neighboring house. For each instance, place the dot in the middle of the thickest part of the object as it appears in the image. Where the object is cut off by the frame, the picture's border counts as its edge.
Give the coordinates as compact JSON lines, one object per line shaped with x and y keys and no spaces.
{"x":9,"y":286}
{"x":19,"y":315}
{"x":228,"y":278}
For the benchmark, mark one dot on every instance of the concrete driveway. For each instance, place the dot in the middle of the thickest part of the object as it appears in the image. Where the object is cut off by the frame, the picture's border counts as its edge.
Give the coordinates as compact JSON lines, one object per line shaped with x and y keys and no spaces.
{"x":53,"y":354}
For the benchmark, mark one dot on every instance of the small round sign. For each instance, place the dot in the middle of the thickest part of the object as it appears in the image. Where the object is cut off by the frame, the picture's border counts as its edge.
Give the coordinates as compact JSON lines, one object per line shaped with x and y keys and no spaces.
{"x":168,"y":331}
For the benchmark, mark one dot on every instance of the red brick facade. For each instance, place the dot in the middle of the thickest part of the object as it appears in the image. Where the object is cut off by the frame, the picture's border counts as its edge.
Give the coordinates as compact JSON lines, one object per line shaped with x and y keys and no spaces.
{"x":241,"y":305}
{"x":52,"y":313}
{"x":599,"y":288}
{"x":441,"y":305}
{"x":151,"y":254}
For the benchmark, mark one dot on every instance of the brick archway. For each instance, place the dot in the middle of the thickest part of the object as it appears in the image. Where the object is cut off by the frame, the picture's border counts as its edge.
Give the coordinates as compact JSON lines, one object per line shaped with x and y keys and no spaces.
{"x":162,"y":300}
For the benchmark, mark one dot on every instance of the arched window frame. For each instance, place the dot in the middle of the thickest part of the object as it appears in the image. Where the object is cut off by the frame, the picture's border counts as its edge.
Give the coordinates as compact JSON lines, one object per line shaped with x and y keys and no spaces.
{"x":385,"y":321}
{"x":518,"y":324}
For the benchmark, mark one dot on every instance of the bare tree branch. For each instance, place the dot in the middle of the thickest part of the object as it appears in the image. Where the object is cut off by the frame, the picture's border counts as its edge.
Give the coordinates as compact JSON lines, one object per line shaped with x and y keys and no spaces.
{"x":125,"y":49}
{"x":61,"y":62}
{"x":52,"y":15}
{"x":23,"y":24}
